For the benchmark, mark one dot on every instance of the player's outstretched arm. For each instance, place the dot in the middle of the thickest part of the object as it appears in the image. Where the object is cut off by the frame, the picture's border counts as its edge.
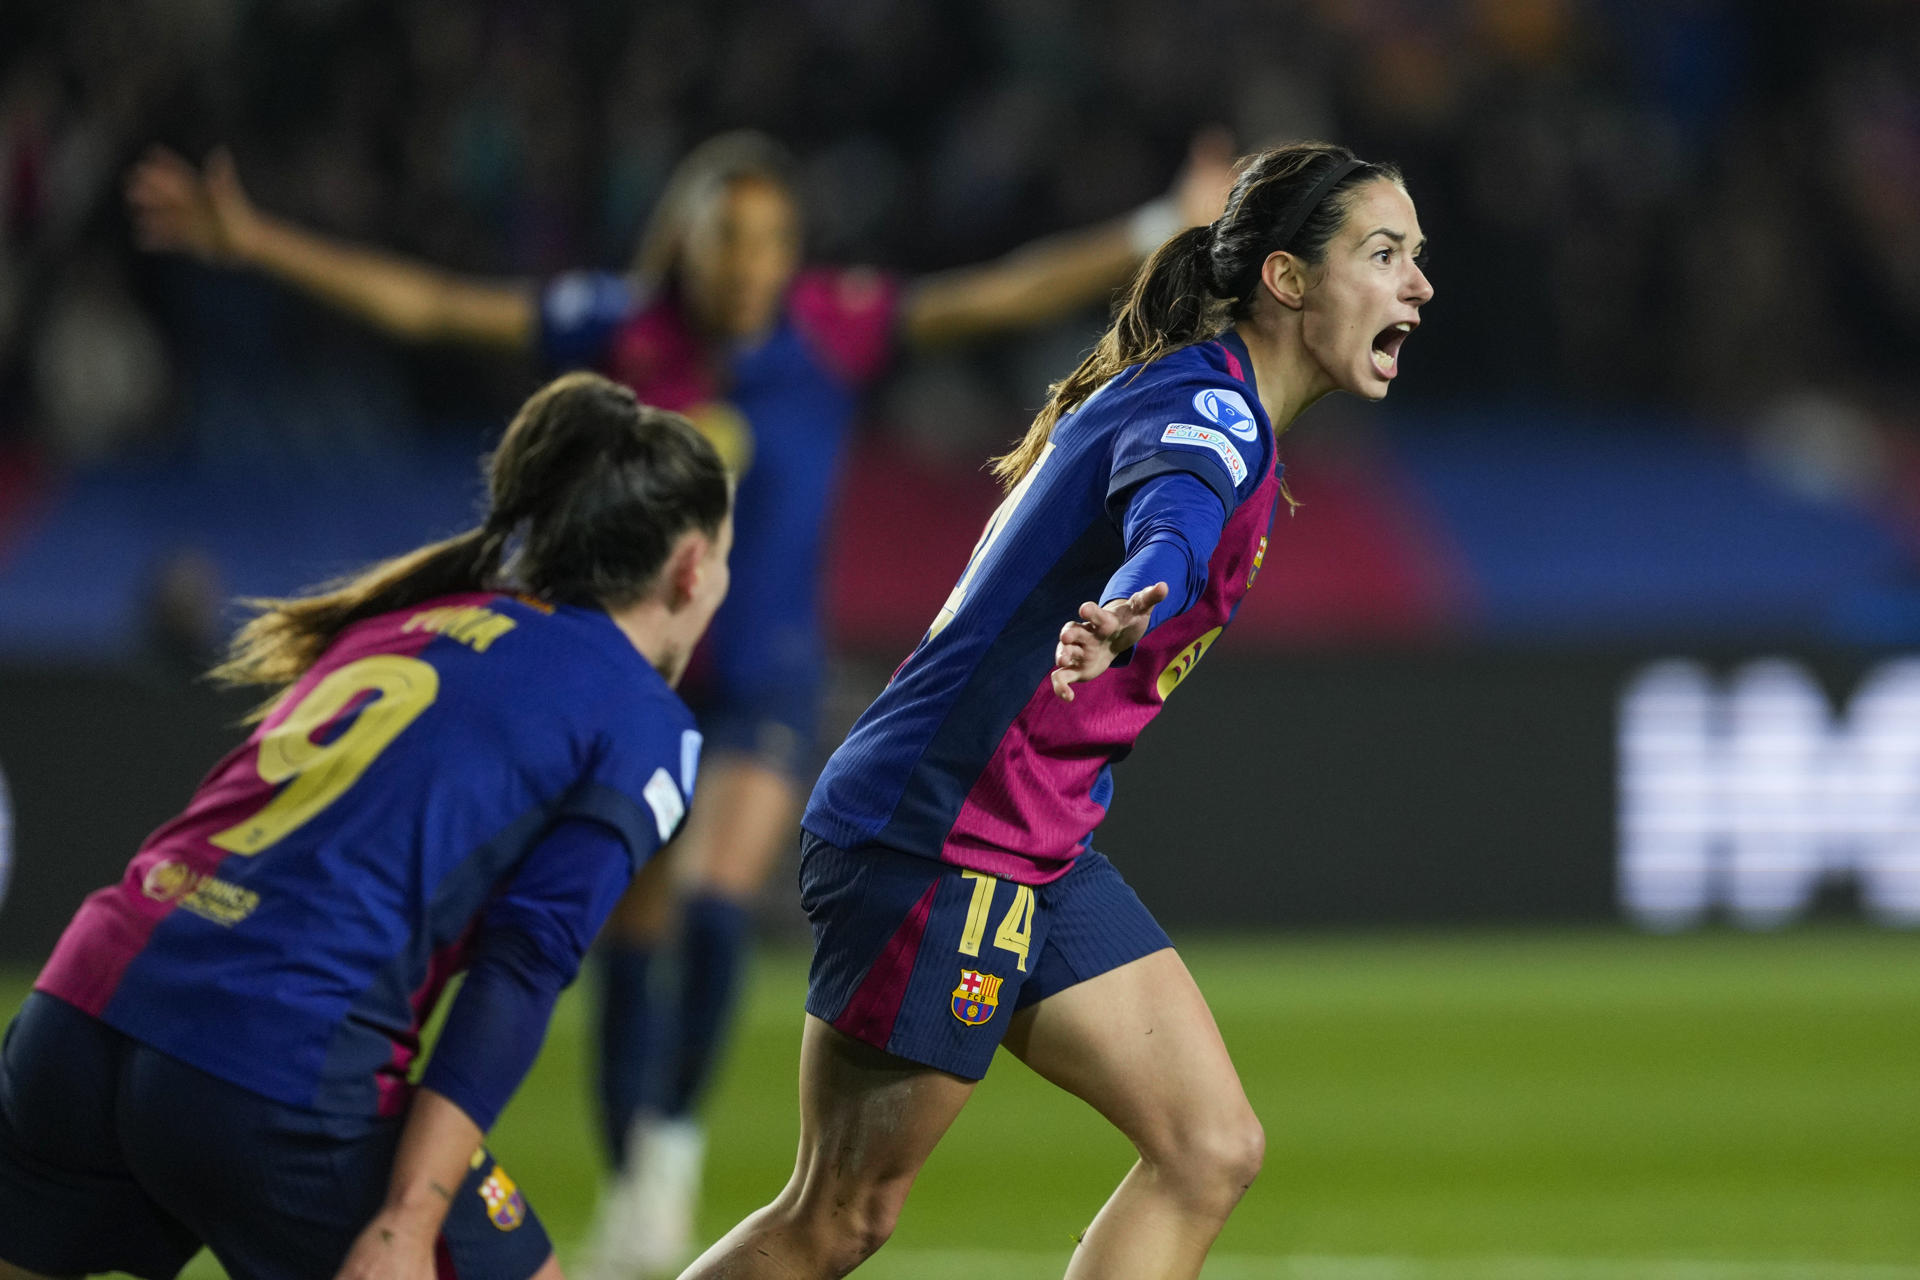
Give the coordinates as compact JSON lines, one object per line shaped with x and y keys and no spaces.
{"x":1051,"y":277}
{"x":1103,"y":632}
{"x":435,"y":1149}
{"x":206,"y":212}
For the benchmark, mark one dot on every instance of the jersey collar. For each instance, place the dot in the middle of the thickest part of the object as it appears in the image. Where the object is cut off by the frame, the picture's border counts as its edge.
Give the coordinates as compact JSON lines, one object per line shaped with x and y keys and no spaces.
{"x":1237,"y":347}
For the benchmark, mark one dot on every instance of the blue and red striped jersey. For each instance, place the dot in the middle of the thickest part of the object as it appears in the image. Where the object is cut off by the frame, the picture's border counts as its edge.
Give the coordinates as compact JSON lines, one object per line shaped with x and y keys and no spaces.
{"x":968,"y":756}
{"x":291,"y":931}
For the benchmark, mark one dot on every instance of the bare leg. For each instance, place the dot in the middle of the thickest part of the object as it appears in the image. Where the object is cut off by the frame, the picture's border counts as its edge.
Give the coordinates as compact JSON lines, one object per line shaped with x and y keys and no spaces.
{"x":1140,"y":1045}
{"x":868,"y":1122}
{"x":659,"y":1049}
{"x":744,"y":816}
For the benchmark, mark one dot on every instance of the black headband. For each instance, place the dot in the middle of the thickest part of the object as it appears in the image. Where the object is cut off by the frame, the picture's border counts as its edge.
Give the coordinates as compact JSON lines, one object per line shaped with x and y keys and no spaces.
{"x":1305,"y":208}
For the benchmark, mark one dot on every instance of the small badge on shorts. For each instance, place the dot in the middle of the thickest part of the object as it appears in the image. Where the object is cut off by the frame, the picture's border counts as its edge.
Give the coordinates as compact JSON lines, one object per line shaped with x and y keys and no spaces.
{"x":977,"y":996}
{"x":506,"y":1207}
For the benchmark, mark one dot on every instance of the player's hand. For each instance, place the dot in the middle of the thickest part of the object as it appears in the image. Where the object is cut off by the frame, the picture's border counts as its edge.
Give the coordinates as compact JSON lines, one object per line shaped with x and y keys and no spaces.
{"x":181,"y":209}
{"x":392,"y":1247}
{"x":1200,"y":190}
{"x":1089,"y":646}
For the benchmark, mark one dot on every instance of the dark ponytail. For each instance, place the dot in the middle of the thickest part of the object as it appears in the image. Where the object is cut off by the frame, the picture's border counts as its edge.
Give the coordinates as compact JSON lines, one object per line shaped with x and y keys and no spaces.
{"x":1203,"y":279}
{"x":587,"y":494}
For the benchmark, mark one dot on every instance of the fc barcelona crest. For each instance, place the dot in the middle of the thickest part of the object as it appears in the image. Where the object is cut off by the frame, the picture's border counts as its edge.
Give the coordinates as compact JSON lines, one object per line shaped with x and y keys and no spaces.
{"x":977,"y":996}
{"x":505,"y":1205}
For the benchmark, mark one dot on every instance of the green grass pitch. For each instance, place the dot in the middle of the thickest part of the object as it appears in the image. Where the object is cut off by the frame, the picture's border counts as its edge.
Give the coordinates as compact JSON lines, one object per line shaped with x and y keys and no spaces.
{"x":1708,"y":1107}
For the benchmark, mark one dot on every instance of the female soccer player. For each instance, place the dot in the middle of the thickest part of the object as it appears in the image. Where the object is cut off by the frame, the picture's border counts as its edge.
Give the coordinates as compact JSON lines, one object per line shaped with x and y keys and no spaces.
{"x":719,"y":321}
{"x":471,"y":751}
{"x":946,"y":867}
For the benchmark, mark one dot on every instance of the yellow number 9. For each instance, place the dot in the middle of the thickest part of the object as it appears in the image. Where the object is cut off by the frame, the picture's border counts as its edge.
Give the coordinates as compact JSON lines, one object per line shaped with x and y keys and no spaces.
{"x":321,"y":772}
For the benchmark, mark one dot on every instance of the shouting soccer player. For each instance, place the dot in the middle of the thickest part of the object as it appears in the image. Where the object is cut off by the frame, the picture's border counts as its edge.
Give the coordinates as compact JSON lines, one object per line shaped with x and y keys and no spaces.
{"x":956,"y":902}
{"x":472,"y":750}
{"x":719,"y":320}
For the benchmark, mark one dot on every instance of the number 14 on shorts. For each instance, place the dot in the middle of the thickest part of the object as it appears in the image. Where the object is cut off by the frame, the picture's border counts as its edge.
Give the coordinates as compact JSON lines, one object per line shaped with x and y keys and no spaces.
{"x":1016,"y":926}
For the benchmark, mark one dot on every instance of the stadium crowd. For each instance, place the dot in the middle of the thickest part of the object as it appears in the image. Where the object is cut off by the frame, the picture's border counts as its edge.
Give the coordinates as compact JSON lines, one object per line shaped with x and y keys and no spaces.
{"x":1707,"y":202}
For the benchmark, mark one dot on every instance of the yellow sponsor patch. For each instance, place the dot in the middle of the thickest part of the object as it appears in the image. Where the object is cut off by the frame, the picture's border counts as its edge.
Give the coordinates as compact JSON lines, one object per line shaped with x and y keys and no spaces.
{"x":1184,"y":662}
{"x":209,"y":897}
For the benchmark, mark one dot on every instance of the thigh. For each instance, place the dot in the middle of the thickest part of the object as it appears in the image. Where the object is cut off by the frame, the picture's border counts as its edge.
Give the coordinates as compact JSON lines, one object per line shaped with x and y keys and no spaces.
{"x":868,"y":1119}
{"x":1139,"y":1044}
{"x":69,"y":1203}
{"x":745,"y":815}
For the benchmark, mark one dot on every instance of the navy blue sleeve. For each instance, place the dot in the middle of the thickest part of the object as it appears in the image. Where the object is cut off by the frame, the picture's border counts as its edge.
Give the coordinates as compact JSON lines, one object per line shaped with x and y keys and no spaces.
{"x":1173,"y":523}
{"x":1185,"y":425}
{"x":579,"y":312}
{"x":528,"y":946}
{"x":641,"y":780}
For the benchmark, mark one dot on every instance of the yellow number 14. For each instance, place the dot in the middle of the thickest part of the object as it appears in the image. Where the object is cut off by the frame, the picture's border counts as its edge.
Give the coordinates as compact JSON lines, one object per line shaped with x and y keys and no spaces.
{"x":1015,"y":933}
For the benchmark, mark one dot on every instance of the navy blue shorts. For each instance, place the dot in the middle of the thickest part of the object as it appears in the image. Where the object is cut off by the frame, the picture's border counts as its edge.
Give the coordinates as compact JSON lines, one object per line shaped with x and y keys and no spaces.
{"x":928,"y":961}
{"x":116,"y":1157}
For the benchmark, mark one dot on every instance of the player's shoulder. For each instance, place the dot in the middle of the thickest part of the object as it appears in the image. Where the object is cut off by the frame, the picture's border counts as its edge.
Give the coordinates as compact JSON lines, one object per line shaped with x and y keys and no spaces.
{"x":847,"y":317}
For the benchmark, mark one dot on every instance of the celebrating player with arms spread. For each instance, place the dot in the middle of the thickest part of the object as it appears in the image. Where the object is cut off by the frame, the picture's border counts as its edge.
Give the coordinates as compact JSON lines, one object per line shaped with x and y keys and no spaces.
{"x":473,"y":749}
{"x":955,"y":900}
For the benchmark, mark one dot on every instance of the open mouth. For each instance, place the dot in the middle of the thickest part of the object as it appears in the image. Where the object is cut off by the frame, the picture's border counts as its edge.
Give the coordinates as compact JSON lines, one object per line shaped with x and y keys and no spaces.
{"x":1386,"y":347}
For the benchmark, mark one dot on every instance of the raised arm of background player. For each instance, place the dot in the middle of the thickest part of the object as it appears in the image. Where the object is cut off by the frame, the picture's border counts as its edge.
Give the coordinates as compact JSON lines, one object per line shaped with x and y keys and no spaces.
{"x":206,"y":212}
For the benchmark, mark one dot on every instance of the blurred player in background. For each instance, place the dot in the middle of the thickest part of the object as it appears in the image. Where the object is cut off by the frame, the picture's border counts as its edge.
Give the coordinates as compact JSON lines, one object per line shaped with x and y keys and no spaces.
{"x":473,"y":749}
{"x":717,"y":319}
{"x":946,"y":867}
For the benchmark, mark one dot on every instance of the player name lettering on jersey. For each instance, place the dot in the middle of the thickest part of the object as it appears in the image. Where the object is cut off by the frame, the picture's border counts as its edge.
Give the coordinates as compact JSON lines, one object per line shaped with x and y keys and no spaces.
{"x":471,"y":625}
{"x":1208,"y":438}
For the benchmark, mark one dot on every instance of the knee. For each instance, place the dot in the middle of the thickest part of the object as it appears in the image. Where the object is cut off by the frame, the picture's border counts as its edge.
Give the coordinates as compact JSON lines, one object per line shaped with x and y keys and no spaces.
{"x":844,"y":1226}
{"x":1213,"y":1161}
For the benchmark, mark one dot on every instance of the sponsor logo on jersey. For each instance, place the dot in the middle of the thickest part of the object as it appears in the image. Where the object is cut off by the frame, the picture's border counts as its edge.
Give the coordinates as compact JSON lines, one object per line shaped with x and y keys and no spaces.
{"x":1207,"y":438}
{"x":1184,"y":662}
{"x":977,"y":996}
{"x":663,"y":797}
{"x":506,"y":1207}
{"x":1227,"y":409}
{"x":728,"y":431}
{"x":208,"y":897}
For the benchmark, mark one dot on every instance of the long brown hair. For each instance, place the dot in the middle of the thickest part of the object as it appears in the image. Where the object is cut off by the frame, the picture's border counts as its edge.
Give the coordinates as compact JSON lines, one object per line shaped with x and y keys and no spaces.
{"x":1205,"y":278}
{"x":587,"y":494}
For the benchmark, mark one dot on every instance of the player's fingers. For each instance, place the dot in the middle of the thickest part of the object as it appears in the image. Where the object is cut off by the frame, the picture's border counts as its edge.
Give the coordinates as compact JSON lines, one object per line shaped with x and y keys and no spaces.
{"x":1101,"y":622}
{"x":1063,"y":685}
{"x":1147,"y":597}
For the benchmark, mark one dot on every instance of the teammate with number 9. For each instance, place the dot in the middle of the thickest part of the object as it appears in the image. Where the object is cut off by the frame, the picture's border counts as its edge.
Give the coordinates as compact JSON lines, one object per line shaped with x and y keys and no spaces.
{"x":470,"y":752}
{"x":955,"y":899}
